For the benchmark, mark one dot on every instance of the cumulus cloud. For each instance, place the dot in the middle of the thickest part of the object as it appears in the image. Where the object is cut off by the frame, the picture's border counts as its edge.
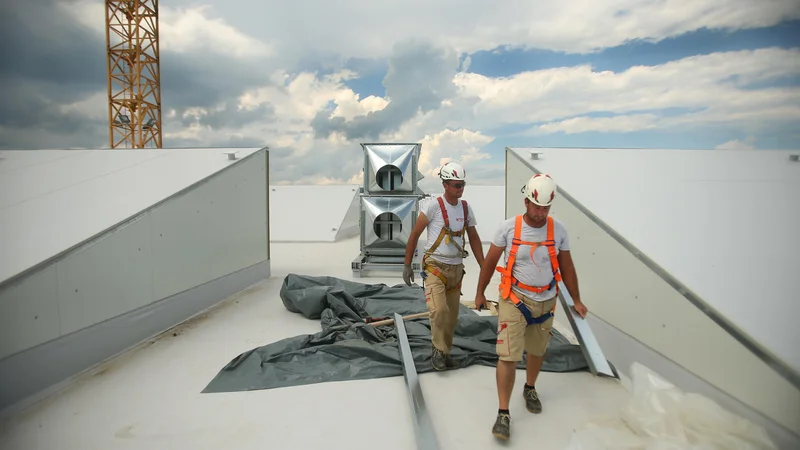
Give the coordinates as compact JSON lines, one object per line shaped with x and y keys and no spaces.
{"x":602,"y":124}
{"x":419,"y":78}
{"x":54,"y":75}
{"x":706,"y":88}
{"x":190,"y":29}
{"x":368,"y":29}
{"x":737,"y":144}
{"x":460,"y":146}
{"x":243,"y":79}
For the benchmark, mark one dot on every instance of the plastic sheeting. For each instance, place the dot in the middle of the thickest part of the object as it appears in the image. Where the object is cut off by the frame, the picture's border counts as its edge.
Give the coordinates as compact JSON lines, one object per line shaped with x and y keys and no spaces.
{"x":347,"y":348}
{"x":660,"y":416}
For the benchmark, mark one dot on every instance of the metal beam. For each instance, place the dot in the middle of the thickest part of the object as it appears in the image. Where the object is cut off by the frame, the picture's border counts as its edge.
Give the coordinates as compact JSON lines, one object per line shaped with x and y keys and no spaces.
{"x":598,"y":364}
{"x":423,"y":428}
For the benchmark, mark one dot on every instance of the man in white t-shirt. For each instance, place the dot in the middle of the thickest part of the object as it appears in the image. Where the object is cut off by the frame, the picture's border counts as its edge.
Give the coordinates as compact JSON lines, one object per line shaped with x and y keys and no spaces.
{"x":447,"y":219}
{"x":540,"y":248}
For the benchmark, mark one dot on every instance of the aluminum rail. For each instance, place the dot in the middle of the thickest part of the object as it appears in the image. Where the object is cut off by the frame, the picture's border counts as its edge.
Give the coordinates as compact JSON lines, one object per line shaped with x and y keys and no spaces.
{"x":598,"y":364}
{"x":423,"y":427}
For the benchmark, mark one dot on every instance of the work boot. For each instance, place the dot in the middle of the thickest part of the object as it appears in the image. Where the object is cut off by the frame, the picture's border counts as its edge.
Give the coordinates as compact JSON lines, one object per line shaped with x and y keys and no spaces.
{"x":502,"y":426}
{"x":450,"y":363}
{"x":438,"y":359}
{"x":532,"y":400}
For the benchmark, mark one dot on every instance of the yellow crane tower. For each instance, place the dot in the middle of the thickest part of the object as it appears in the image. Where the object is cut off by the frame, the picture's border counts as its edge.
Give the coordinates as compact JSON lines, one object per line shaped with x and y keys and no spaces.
{"x":134,"y":87}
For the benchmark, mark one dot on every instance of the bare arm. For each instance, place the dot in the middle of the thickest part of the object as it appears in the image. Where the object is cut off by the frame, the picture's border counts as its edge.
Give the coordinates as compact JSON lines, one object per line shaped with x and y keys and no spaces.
{"x":488,"y":268}
{"x":422,"y":222}
{"x":476,"y":245}
{"x":570,"y":277}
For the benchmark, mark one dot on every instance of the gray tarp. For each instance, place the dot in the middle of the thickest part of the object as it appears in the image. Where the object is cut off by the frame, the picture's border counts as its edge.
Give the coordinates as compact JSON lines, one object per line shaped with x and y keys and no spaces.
{"x":347,"y":348}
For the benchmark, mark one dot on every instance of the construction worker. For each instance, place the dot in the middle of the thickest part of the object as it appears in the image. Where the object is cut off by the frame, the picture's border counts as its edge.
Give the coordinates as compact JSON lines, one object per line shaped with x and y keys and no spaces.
{"x":537,"y":257}
{"x":446,"y":219}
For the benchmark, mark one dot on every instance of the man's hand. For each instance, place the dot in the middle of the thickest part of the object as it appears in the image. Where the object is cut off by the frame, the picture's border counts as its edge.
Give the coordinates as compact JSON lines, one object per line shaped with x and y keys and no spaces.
{"x":581,"y":309}
{"x":408,"y":274}
{"x":480,"y":301}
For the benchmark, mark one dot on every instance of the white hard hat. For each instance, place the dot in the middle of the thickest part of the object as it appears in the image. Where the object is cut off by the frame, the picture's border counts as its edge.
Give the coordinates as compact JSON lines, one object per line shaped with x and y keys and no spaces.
{"x":541,"y":189}
{"x":452,"y":171}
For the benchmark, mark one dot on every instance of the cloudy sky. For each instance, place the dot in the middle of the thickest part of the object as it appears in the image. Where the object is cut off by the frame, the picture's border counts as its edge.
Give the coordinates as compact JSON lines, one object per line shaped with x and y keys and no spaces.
{"x":465,"y":79}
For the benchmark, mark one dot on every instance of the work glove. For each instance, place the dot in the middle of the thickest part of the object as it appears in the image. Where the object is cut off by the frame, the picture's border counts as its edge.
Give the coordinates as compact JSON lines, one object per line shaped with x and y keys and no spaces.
{"x":408,"y":274}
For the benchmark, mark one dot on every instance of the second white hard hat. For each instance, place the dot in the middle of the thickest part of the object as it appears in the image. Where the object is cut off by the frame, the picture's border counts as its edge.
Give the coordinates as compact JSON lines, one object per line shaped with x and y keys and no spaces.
{"x":452,"y":171}
{"x":541,"y":189}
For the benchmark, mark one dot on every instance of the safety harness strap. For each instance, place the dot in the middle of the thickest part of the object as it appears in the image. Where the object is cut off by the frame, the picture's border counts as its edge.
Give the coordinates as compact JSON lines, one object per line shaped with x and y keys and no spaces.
{"x":441,"y":276}
{"x":445,"y":233}
{"x":447,"y":219}
{"x":507,"y":275}
{"x":527,"y":312}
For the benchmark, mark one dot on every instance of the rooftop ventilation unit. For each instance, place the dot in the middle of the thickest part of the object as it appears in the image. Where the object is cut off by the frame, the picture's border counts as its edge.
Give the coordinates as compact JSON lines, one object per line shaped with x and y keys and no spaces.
{"x":389,"y":223}
{"x":389,"y":206}
{"x":391,"y":168}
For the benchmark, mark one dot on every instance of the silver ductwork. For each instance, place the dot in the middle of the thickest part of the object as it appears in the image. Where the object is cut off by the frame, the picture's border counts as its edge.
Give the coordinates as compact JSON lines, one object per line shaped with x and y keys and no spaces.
{"x":388,"y":222}
{"x":391,"y":168}
{"x":389,"y":206}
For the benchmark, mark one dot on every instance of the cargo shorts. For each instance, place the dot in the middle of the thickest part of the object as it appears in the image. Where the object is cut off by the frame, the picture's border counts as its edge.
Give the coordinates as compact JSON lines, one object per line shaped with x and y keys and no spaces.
{"x":515,"y":335}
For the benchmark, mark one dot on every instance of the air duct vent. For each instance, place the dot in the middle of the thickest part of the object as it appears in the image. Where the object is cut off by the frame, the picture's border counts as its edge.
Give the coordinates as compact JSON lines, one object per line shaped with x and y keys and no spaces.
{"x":389,"y":206}
{"x":388,"y":223}
{"x":390,"y":168}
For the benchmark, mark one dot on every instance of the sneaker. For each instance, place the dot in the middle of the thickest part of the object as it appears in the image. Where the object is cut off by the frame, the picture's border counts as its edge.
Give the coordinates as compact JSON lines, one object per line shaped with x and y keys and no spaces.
{"x":502,"y":426}
{"x":438,"y":359}
{"x":532,"y":401}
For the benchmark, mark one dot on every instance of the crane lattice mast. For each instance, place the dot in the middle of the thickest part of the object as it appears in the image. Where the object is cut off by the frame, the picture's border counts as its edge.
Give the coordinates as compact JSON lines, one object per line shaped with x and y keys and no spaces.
{"x":134,"y":88}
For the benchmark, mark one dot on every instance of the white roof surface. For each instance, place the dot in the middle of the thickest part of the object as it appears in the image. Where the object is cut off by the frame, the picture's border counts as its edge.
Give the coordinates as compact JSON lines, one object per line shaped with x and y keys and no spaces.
{"x":151,"y":398}
{"x":724,"y":223}
{"x":51,"y":200}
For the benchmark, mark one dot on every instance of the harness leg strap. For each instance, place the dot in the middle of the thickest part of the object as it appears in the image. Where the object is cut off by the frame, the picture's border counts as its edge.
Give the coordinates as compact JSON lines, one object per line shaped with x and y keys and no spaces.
{"x":527,"y":312}
{"x":529,"y":317}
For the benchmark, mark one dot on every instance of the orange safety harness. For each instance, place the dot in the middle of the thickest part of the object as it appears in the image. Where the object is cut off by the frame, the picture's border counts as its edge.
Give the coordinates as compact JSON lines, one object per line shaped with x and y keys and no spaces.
{"x":447,"y":234}
{"x":507,"y":280}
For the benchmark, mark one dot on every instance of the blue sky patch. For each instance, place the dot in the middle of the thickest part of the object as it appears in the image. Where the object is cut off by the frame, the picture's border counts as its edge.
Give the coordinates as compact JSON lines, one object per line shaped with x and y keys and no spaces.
{"x":371,"y":73}
{"x":505,"y":63}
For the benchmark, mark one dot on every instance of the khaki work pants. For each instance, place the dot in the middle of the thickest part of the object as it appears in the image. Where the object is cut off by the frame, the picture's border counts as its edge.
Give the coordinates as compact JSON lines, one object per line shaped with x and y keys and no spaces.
{"x":515,"y":335}
{"x":443,"y":301}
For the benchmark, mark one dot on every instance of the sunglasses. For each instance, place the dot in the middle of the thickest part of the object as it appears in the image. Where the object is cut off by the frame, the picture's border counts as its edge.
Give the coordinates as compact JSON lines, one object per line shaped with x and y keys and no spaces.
{"x":458,"y":185}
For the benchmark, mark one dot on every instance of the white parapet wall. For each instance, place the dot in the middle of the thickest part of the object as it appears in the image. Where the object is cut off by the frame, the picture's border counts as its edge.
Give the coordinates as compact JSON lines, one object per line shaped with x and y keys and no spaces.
{"x":642,"y":312}
{"x":177,"y":251}
{"x":314,"y":213}
{"x":338,"y":211}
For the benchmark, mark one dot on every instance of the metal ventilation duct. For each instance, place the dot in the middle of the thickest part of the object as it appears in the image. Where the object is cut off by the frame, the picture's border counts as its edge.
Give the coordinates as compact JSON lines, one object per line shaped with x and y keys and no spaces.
{"x":389,"y":206}
{"x":391,"y":168}
{"x":386,"y":224}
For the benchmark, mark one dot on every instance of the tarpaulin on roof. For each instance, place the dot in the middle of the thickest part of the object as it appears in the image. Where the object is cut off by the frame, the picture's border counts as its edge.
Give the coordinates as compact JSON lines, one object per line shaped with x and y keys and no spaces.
{"x":348,"y":348}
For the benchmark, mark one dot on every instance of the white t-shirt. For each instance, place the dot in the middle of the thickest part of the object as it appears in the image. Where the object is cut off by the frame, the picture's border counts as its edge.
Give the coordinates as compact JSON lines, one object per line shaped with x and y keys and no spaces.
{"x":537,"y":271}
{"x":446,"y":253}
